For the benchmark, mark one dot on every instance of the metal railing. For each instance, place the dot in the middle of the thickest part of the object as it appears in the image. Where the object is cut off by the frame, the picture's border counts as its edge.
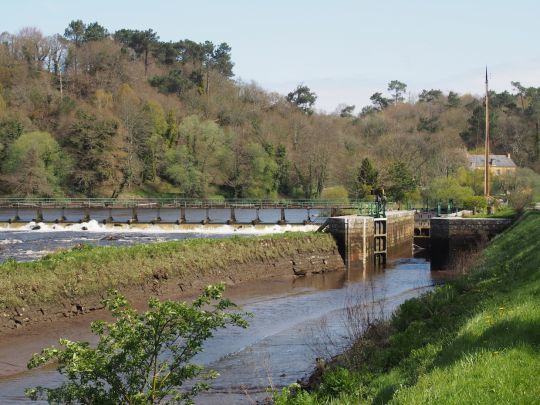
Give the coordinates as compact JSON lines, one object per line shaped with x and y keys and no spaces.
{"x":361,"y":207}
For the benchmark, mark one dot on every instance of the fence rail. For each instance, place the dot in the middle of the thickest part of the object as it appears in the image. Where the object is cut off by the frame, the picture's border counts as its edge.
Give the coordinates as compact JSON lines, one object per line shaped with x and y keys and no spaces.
{"x":9,"y":202}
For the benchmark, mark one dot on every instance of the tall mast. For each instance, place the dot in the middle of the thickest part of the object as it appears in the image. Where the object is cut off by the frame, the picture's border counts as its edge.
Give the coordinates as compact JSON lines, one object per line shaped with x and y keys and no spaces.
{"x":486,"y":163}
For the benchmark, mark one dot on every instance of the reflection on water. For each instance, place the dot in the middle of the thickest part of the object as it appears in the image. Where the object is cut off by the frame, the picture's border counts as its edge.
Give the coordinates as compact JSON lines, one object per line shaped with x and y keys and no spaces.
{"x":294,"y":321}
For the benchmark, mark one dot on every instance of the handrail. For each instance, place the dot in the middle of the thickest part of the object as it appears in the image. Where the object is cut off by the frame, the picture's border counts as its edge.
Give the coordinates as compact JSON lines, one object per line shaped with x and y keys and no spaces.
{"x":364,"y":206}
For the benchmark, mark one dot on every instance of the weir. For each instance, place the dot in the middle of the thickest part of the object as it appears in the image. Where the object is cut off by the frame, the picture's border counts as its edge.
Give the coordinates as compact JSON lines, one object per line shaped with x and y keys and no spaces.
{"x":173,"y":211}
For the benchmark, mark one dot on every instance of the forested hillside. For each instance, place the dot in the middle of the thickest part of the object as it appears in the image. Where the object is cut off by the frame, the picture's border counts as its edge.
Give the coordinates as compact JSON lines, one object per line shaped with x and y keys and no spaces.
{"x":97,"y":113}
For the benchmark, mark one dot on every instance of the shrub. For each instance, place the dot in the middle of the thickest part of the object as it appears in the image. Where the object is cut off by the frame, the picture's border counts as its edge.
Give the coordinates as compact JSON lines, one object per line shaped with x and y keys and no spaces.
{"x":139,"y":358}
{"x":475,"y":203}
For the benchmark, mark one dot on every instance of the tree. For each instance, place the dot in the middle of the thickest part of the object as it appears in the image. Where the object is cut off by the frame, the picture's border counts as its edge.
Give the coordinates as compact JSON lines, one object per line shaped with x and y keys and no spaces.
{"x":347,"y":111}
{"x":181,"y":171}
{"x":174,"y":82}
{"x":34,"y":165}
{"x":283,"y":181}
{"x":427,"y":96}
{"x":140,"y":358}
{"x":521,"y":92}
{"x":95,"y":32}
{"x":453,"y":100}
{"x":398,"y":88}
{"x":303,"y":98}
{"x":429,"y":124}
{"x":10,"y":130}
{"x":75,"y":32}
{"x":368,"y":110}
{"x":142,"y":42}
{"x":367,"y":179}
{"x":401,"y":181}
{"x":445,"y":189}
{"x":379,"y":101}
{"x":97,"y":157}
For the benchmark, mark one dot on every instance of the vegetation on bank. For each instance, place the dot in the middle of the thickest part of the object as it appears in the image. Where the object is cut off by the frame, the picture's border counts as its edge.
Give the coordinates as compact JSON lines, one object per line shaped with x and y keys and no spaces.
{"x":500,"y":213}
{"x":474,"y":340}
{"x":90,"y":270}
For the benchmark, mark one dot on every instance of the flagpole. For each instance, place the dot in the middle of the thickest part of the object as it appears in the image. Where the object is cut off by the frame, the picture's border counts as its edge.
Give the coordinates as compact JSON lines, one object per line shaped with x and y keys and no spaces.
{"x":486,"y":163}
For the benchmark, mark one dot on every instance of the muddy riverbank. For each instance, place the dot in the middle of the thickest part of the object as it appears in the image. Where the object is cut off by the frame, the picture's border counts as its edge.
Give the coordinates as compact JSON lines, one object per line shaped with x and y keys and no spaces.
{"x":79,"y":278}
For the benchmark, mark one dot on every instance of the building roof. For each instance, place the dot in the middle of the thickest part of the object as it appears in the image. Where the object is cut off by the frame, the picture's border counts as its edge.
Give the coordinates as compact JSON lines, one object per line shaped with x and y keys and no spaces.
{"x":478,"y":161}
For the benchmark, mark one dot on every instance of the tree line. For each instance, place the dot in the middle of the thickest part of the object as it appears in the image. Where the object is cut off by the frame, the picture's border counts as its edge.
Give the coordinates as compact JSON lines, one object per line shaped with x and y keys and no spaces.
{"x":98,"y":113}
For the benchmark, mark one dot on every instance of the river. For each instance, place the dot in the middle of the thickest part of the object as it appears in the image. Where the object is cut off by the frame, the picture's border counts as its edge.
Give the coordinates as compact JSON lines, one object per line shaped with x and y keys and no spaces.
{"x":294,"y":321}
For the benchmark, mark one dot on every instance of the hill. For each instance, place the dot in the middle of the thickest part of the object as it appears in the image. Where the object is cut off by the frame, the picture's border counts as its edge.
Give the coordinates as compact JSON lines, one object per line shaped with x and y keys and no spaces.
{"x":93,"y":113}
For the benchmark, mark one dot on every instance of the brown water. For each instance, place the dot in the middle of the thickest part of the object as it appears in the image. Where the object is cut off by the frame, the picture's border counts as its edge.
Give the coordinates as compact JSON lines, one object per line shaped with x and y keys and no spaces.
{"x":294,"y":321}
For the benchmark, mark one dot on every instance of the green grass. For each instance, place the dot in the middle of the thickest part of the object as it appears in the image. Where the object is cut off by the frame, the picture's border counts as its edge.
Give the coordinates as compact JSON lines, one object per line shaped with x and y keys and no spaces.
{"x":91,"y":270}
{"x":501,"y":213}
{"x":473,"y":340}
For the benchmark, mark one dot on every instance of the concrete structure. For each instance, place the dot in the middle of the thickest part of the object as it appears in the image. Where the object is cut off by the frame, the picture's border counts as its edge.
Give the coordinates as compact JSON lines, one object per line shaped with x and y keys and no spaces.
{"x":498,"y":164}
{"x":359,"y":237}
{"x":453,"y":234}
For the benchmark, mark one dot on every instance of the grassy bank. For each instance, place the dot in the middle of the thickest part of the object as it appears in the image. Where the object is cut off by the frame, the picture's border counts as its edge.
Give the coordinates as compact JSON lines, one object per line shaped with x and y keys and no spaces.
{"x":91,"y":270}
{"x":473,"y":340}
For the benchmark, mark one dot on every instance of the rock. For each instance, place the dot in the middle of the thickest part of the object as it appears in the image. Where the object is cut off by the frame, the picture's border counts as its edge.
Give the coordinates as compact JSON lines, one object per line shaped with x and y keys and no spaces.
{"x":110,"y":237}
{"x":36,"y":227}
{"x":84,"y":228}
{"x":299,"y":272}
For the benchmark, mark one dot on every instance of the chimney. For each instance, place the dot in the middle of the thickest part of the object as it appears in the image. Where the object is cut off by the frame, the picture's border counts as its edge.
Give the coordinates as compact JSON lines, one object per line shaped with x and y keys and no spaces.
{"x":508,"y":155}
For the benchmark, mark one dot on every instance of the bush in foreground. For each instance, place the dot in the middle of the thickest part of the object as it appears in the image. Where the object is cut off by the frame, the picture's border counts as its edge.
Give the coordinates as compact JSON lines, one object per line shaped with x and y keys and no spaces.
{"x":140,"y":358}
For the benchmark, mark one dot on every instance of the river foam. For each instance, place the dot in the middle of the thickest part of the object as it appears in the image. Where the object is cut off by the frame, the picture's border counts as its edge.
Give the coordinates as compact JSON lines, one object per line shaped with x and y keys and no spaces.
{"x":94,"y":226}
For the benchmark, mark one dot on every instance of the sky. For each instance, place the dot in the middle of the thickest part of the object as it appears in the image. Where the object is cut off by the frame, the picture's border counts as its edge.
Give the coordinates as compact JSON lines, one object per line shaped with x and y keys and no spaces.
{"x":344,"y":50}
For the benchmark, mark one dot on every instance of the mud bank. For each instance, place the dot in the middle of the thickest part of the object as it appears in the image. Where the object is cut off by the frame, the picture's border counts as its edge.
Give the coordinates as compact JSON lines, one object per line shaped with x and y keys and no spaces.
{"x":72,"y":283}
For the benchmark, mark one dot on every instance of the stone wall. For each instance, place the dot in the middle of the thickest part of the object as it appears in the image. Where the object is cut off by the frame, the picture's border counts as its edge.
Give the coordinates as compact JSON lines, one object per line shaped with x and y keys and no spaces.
{"x":450,"y":235}
{"x":399,"y":228}
{"x":463,"y":228}
{"x":354,"y":234}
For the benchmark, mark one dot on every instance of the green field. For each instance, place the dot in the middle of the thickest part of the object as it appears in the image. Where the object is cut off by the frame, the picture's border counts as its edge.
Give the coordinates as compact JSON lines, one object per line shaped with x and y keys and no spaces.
{"x":89,"y":270}
{"x":473,"y":340}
